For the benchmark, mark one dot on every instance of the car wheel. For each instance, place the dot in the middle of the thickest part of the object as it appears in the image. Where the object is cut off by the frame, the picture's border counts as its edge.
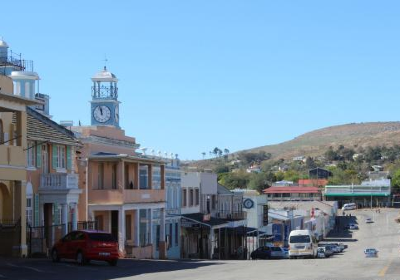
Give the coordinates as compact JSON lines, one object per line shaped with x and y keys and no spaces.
{"x":113,"y":262}
{"x":80,"y":259}
{"x":54,"y":256}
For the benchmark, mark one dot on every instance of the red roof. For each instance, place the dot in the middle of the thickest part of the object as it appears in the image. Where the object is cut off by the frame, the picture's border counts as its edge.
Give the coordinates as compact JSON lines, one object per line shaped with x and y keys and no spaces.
{"x":313,"y":182}
{"x":272,"y":190}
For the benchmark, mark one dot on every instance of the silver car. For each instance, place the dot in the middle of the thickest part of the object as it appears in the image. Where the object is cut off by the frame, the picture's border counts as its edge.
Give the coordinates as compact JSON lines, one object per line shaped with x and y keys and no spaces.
{"x":277,"y":253}
{"x":371,"y":253}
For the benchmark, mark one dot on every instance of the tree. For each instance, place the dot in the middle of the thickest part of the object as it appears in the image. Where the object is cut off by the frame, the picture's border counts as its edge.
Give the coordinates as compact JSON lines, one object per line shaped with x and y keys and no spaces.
{"x":396,"y":181}
{"x":204,"y":154}
{"x":261,"y":181}
{"x":226,"y":151}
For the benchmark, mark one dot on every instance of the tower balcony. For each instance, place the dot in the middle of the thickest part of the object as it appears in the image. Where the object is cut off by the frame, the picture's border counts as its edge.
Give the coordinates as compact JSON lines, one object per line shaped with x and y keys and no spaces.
{"x":104,"y":92}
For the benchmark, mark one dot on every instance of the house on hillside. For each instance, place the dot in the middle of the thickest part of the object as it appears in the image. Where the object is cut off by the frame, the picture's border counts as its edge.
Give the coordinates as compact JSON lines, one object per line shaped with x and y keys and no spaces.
{"x":319,"y":173}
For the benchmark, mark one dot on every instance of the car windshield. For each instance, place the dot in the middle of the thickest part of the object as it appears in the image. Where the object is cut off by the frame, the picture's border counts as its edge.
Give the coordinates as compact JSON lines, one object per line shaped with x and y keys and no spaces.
{"x":101,"y":237}
{"x":276,"y":249}
{"x":299,"y":239}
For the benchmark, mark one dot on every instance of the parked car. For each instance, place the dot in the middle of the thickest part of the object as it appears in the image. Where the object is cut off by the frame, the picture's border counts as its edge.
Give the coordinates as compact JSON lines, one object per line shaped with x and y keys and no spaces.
{"x":263,"y":252}
{"x":351,"y":226}
{"x":86,"y":245}
{"x":371,"y":253}
{"x":328,"y":250}
{"x":285,"y":253}
{"x":277,"y":253}
{"x":321,"y":252}
{"x":368,"y":220}
{"x":331,"y":248}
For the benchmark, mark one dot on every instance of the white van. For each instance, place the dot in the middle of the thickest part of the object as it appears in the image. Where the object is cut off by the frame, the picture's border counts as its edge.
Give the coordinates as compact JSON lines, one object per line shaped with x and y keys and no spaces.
{"x":349,"y":206}
{"x":302,"y":244}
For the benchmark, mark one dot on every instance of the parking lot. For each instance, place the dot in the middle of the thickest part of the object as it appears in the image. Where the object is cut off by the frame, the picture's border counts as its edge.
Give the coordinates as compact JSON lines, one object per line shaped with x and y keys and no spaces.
{"x":383,"y":235}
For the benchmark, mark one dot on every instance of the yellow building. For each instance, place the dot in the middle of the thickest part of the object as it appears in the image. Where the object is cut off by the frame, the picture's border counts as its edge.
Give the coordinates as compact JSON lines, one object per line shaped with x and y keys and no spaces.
{"x":12,"y":170}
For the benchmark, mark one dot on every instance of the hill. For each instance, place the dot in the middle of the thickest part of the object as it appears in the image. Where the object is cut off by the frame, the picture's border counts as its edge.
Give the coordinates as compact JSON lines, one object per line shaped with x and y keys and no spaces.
{"x":315,"y":143}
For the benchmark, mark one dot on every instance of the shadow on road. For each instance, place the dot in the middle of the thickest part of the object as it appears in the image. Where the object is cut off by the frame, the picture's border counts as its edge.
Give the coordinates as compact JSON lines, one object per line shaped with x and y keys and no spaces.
{"x":45,"y":269}
{"x":340,"y":233}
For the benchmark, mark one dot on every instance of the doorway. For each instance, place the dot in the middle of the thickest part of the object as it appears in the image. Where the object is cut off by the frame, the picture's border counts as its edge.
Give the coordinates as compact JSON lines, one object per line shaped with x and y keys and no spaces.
{"x":114,"y":224}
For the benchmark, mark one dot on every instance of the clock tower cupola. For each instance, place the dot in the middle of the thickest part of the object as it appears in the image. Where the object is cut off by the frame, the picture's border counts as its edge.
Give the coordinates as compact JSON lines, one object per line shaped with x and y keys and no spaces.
{"x":105,"y":104}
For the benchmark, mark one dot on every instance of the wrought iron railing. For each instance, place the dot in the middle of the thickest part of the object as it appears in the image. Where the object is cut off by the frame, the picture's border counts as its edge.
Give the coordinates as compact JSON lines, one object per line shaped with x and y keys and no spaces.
{"x":231,"y":215}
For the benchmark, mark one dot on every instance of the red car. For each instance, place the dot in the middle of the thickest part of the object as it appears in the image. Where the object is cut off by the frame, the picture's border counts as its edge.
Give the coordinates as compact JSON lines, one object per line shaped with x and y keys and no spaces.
{"x":86,"y":245}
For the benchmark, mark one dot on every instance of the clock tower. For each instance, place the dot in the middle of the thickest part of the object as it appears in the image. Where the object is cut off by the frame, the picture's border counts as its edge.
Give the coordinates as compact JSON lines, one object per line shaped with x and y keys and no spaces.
{"x":105,"y":104}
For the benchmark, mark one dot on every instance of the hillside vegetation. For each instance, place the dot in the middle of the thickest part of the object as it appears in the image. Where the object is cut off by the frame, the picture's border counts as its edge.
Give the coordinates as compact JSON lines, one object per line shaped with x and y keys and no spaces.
{"x":350,"y":152}
{"x":315,"y":143}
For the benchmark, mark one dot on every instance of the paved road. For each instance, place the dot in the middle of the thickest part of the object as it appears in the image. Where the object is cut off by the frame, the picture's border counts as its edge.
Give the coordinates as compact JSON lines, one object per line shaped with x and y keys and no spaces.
{"x":383,"y":235}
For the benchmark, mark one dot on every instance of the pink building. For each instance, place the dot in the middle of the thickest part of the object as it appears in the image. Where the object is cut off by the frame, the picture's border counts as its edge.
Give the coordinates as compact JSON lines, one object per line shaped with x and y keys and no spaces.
{"x":124,"y":192}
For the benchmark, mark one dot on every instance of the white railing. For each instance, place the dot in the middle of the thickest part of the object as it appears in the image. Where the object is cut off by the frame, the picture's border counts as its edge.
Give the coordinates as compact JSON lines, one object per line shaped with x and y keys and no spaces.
{"x":58,"y":181}
{"x":356,"y":189}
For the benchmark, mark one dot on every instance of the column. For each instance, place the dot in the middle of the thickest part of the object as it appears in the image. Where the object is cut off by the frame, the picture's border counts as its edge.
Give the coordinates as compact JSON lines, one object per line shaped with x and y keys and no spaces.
{"x":74,"y":216}
{"x":212,"y":240}
{"x":21,"y":195}
{"x":163,"y":247}
{"x":64,"y":217}
{"x":137,"y":229}
{"x":121,"y":230}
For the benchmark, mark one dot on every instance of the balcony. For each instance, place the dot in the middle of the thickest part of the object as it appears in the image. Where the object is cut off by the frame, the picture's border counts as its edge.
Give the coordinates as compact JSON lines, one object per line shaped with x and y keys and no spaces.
{"x":231,"y":216}
{"x":119,"y":196}
{"x":55,"y":181}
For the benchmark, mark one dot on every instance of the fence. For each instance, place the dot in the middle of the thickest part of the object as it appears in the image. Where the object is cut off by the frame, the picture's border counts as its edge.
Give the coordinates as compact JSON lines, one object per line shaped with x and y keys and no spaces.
{"x":41,"y":239}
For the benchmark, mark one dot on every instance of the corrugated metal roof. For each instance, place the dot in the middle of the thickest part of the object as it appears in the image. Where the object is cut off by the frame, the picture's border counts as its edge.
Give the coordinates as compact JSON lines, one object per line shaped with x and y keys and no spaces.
{"x":41,"y":128}
{"x":272,"y":190}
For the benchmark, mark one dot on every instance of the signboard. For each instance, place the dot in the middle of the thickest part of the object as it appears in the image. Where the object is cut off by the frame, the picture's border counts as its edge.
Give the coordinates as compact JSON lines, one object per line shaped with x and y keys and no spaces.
{"x":265,"y":215}
{"x":189,"y":224}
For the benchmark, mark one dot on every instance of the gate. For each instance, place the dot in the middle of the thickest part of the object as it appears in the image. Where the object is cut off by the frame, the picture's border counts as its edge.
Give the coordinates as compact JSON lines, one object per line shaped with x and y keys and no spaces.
{"x":41,"y":239}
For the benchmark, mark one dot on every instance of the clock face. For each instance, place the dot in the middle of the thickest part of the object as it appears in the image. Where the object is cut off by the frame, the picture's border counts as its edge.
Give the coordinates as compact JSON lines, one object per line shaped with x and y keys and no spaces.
{"x":248,"y":203}
{"x":102,"y":113}
{"x":116,"y":114}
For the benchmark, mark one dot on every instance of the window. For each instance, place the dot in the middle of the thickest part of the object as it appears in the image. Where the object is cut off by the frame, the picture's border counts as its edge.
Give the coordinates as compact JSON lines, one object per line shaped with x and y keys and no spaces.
{"x":60,"y":157}
{"x":197,"y":196}
{"x":184,"y":198}
{"x":191,"y":196}
{"x":31,"y":154}
{"x":128,"y":225}
{"x":114,"y":177}
{"x":143,"y":172}
{"x":29,"y":211}
{"x":100,"y":176}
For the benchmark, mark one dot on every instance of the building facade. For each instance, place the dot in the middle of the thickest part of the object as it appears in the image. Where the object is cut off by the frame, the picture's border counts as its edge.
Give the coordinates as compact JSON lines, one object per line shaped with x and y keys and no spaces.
{"x":13,"y":145}
{"x":124,"y":192}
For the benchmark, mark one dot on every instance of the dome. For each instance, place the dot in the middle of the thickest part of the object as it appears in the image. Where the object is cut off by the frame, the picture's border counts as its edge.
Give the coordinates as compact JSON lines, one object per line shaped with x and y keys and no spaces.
{"x":104,"y":76}
{"x":3,"y":44}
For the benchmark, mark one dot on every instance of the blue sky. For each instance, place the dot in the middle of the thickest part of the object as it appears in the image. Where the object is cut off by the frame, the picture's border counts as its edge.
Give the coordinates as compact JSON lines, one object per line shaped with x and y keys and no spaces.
{"x":199,"y":74}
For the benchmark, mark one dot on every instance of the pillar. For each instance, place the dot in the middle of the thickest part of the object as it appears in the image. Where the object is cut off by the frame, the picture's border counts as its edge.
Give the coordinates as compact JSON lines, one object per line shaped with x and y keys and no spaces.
{"x":137,"y":229}
{"x":20,"y":196}
{"x":64,"y":217}
{"x":121,"y":230}
{"x":74,"y":216}
{"x":212,"y":240}
{"x":163,"y":247}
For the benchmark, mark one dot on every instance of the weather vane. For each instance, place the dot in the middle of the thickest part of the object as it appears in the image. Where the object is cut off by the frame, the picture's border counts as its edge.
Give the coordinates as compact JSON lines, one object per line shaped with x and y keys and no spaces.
{"x":105,"y":61}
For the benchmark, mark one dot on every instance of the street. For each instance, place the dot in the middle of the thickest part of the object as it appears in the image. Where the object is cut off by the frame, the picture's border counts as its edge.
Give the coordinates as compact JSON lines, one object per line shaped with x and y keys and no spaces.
{"x":351,"y":264}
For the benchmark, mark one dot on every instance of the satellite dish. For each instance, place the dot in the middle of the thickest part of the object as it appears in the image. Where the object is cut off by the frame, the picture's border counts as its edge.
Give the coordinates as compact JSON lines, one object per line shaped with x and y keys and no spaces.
{"x":144,"y":150}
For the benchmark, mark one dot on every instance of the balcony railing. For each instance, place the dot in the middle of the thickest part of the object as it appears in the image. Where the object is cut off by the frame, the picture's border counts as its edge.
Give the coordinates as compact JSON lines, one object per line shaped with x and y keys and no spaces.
{"x":231,"y":215}
{"x":54,"y":181}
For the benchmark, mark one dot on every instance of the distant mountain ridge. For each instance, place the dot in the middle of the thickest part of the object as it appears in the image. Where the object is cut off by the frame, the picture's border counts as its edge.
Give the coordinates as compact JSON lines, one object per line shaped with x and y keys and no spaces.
{"x":315,"y":143}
